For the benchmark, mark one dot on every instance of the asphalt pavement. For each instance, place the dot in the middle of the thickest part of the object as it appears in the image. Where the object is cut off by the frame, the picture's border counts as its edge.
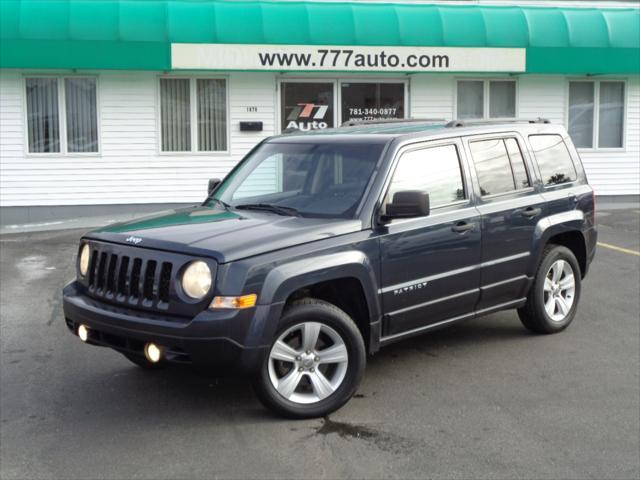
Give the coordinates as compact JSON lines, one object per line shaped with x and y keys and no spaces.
{"x":483,"y":399}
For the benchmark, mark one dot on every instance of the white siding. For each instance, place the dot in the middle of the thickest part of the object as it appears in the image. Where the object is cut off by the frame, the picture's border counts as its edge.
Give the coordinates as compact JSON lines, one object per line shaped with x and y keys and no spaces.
{"x":612,"y":172}
{"x":432,"y":96}
{"x":618,"y":172}
{"x":130,"y":169}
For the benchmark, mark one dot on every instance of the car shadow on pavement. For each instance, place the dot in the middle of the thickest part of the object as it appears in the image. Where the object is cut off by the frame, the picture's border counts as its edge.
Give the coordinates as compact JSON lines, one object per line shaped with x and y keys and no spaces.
{"x":122,"y":392}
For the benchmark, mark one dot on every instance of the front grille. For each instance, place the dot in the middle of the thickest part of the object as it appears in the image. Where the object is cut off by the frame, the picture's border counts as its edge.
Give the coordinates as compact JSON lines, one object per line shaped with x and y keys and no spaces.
{"x":138,"y":278}
{"x":128,"y":279}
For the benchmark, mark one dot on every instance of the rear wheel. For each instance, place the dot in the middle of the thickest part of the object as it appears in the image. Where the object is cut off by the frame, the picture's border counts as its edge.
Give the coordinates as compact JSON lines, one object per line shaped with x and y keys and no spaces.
{"x":553,"y":298}
{"x":315,"y":363}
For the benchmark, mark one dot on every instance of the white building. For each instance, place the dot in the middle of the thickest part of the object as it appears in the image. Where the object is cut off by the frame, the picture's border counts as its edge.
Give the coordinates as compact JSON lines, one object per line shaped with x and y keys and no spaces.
{"x":117,"y":104}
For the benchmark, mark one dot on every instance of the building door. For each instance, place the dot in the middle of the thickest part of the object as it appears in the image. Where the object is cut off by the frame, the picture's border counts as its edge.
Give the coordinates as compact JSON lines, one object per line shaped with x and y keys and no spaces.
{"x":307,"y":105}
{"x":315,"y":104}
{"x":372,"y":100}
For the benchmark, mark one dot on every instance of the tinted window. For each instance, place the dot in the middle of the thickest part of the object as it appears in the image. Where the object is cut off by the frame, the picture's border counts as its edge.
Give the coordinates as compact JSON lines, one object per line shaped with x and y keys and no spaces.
{"x":499,"y":165}
{"x":492,"y":166}
{"x":517,"y":163}
{"x":434,"y":170}
{"x":553,"y":159}
{"x":317,"y":179}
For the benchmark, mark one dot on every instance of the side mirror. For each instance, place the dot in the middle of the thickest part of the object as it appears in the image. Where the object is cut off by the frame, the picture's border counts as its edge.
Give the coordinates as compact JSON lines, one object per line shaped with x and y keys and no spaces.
{"x":408,"y":204}
{"x":213,"y":184}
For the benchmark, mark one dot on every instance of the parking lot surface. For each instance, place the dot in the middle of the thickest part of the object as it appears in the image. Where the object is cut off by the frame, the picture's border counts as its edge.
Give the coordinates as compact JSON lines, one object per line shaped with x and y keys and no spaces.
{"x":483,"y":399}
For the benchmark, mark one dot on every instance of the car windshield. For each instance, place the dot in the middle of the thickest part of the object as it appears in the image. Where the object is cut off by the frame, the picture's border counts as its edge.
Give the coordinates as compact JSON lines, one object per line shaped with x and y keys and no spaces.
{"x":305,"y":179}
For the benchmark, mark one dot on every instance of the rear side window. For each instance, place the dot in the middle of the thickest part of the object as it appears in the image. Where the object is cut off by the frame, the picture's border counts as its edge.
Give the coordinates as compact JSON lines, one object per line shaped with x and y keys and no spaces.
{"x":499,"y":166}
{"x":434,"y":170}
{"x":553,"y":159}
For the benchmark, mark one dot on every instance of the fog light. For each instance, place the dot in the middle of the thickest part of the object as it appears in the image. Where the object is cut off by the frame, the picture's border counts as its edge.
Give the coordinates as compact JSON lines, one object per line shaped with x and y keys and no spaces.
{"x":152,"y":352}
{"x":83,"y":333}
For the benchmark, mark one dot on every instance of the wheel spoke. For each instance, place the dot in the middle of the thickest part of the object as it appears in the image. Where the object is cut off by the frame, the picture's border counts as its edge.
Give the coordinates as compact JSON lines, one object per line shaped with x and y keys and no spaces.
{"x":557,"y":271}
{"x":321,"y":386}
{"x":334,"y":354}
{"x":562,"y":305}
{"x":310,"y":333}
{"x":550,"y":306}
{"x":547,"y":284}
{"x":282,"y":351}
{"x":288,"y":384}
{"x":567,"y":282}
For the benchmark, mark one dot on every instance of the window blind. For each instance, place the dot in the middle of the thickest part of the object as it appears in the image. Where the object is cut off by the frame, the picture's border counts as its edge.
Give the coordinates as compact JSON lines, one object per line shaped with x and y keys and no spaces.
{"x":175,"y":115}
{"x":43,"y":122}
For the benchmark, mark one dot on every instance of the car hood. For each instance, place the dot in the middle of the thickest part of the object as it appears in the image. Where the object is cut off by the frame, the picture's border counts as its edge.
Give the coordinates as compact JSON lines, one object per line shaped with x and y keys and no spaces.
{"x":225,"y":235}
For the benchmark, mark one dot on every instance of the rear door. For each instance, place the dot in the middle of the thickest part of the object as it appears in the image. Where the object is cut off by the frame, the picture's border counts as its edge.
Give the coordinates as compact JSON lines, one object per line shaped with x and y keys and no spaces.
{"x":510,"y":206}
{"x":429,"y":264}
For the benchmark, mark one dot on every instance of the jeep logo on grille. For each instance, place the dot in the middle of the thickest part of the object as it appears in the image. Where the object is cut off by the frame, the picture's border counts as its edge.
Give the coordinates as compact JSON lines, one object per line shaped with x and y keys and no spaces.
{"x":134,"y":240}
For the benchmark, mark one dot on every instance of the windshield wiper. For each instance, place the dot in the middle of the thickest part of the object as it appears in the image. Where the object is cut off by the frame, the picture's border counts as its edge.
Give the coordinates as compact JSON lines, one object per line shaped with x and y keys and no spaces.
{"x":268,"y":207}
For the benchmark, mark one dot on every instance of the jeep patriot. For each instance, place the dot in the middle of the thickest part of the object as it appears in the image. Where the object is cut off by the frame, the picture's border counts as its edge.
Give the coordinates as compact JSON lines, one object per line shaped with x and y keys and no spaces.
{"x":320,"y":248}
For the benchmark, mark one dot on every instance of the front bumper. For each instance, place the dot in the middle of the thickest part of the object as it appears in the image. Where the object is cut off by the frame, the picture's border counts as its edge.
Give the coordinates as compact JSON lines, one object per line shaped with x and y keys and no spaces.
{"x":229,"y":340}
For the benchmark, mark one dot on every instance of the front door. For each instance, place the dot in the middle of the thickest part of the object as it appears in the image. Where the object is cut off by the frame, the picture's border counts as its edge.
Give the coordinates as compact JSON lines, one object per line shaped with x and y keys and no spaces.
{"x":430,"y":271}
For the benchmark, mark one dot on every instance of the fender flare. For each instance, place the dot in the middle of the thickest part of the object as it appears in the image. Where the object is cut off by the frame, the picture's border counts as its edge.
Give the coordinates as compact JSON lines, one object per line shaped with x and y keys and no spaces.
{"x":565,"y":222}
{"x":285,"y":279}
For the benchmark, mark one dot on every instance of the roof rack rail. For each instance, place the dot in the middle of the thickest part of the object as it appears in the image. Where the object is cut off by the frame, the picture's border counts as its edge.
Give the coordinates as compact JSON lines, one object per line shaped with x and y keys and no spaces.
{"x":354,"y":123}
{"x":463,"y":123}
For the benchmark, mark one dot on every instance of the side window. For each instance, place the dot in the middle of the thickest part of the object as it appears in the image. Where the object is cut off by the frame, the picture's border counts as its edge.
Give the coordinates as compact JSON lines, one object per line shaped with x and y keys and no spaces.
{"x":517,"y":163}
{"x":554,"y":160}
{"x":435,"y":170}
{"x":499,"y":165}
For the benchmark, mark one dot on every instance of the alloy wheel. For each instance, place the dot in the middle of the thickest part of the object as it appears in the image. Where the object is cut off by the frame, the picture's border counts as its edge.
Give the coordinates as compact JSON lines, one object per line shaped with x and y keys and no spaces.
{"x":308,"y":362}
{"x":559,"y":290}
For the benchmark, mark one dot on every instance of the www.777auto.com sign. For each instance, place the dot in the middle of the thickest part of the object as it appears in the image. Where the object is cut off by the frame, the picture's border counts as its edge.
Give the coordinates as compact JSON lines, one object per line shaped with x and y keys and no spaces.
{"x":346,"y":58}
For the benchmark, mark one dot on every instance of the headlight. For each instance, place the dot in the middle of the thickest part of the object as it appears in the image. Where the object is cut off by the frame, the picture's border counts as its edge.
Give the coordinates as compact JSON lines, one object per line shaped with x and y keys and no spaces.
{"x":85,"y":253}
{"x":196,"y":280}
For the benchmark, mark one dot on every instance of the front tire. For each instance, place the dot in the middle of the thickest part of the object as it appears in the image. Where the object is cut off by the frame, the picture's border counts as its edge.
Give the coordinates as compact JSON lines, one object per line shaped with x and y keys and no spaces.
{"x":553,"y":299}
{"x":315,"y":362}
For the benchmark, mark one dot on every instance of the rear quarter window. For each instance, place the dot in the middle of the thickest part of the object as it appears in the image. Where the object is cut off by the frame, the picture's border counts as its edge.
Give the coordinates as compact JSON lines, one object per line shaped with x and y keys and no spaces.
{"x":554,"y":159}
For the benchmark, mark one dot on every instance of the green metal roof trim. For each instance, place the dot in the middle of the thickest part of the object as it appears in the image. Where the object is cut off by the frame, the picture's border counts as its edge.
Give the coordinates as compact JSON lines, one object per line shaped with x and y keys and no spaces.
{"x":137,"y":34}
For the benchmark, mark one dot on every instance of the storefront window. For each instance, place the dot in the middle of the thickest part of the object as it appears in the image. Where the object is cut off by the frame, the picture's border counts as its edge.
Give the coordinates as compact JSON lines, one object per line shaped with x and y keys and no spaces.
{"x":581,"y":95}
{"x":71,"y":100}
{"x":177,"y":116}
{"x":608,"y":117}
{"x":470,"y":99}
{"x":372,"y":101}
{"x":478,"y":99}
{"x":81,"y":114}
{"x":307,"y":105}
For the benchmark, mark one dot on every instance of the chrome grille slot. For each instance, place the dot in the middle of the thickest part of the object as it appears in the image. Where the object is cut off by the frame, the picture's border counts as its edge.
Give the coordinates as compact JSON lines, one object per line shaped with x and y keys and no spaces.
{"x":138,"y":278}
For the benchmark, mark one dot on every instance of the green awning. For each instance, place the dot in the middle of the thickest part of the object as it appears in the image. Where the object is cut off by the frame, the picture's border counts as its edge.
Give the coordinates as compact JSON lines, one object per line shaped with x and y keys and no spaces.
{"x":137,"y":34}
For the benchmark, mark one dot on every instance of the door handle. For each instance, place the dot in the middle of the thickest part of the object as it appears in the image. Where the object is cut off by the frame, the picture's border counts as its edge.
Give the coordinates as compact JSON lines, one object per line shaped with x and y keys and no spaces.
{"x":531,"y":212}
{"x":463,"y":226}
